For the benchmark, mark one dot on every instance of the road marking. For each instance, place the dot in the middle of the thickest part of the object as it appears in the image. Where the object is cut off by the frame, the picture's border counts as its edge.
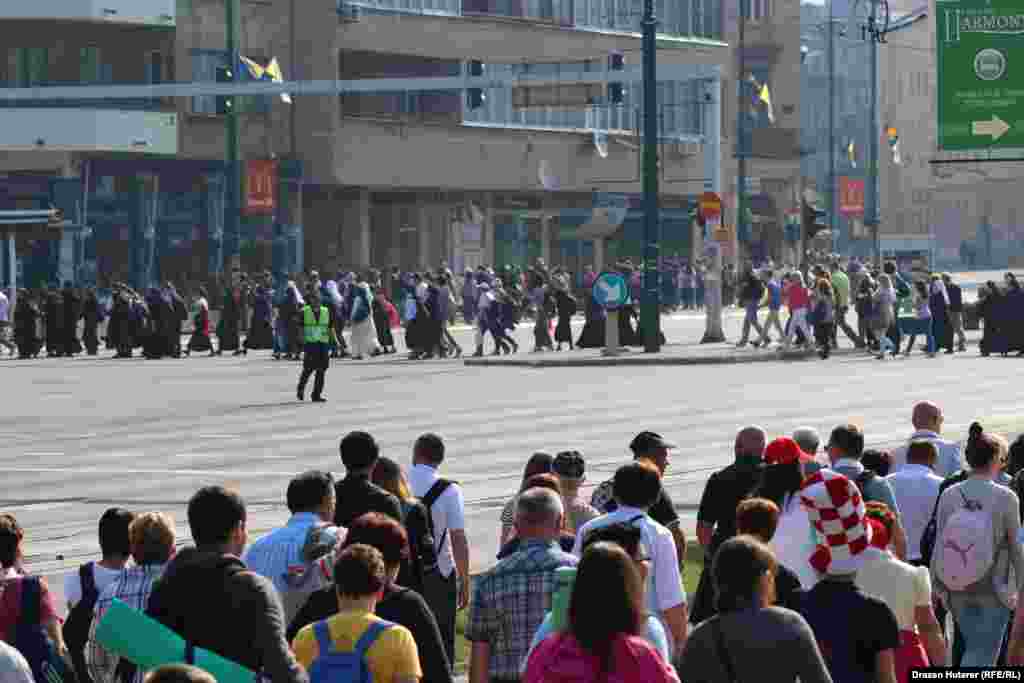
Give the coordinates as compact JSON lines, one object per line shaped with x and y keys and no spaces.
{"x":112,"y":471}
{"x":40,"y":507}
{"x":43,"y":454}
{"x":218,"y":436}
{"x":198,"y":455}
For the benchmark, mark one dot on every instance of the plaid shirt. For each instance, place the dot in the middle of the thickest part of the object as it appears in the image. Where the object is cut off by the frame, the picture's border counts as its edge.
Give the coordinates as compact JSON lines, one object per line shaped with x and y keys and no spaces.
{"x":132,"y":588}
{"x":510,"y":601}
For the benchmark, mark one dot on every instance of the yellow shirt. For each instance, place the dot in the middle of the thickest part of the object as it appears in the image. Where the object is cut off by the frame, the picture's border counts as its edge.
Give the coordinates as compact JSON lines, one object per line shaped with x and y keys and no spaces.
{"x":393,"y":655}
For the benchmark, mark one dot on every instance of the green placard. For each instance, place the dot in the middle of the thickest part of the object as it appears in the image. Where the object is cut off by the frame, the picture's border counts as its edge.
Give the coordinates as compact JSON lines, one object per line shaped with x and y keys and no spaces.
{"x":980,"y":50}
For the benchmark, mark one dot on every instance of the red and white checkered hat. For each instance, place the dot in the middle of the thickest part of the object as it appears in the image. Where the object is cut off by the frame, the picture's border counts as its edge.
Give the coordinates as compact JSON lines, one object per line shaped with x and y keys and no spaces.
{"x":837,"y":513}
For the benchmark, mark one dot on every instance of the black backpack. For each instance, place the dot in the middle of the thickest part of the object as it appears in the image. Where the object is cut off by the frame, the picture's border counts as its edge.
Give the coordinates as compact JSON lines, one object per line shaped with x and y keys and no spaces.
{"x":76,"y":628}
{"x":435,"y":492}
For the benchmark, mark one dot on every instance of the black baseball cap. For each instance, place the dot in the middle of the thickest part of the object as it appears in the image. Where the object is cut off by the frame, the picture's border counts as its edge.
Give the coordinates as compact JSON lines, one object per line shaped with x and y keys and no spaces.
{"x":645,"y":442}
{"x":569,"y":465}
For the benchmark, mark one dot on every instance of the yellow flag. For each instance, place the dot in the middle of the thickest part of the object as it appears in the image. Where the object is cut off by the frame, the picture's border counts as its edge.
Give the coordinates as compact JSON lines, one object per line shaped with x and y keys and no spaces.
{"x":255,"y":70}
{"x":766,"y":97}
{"x":273,"y":70}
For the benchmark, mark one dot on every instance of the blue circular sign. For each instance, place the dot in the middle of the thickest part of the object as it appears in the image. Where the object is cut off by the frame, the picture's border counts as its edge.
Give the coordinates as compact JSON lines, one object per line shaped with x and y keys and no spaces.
{"x":610,"y":290}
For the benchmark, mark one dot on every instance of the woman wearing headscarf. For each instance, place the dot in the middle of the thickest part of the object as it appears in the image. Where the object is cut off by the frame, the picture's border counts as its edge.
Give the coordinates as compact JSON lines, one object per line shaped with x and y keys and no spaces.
{"x":364,"y":333}
{"x":989,"y":301}
{"x":938,"y":298}
{"x":26,"y":322}
{"x":1013,"y":315}
{"x":469,"y":297}
{"x":228,"y":332}
{"x":261,"y":335}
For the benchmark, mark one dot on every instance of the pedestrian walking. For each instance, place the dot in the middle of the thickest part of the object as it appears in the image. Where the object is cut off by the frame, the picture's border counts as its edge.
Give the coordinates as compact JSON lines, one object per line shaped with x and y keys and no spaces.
{"x":5,"y":323}
{"x":921,"y":323}
{"x":316,"y":331}
{"x":956,"y":310}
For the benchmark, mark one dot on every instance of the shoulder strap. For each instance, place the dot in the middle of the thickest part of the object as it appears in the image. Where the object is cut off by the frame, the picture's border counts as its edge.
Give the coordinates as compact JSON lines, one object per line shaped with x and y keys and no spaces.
{"x":721,"y":651}
{"x":323,"y":637}
{"x":30,"y":595}
{"x":435,"y":492}
{"x":370,"y":636}
{"x":87,"y":576}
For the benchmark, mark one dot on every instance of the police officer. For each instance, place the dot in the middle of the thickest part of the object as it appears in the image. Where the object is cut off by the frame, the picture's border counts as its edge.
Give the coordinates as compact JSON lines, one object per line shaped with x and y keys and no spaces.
{"x":316,"y":333}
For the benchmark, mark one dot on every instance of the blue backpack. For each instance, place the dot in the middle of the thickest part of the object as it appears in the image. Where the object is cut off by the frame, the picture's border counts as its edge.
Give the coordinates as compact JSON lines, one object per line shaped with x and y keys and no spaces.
{"x":344,"y":667}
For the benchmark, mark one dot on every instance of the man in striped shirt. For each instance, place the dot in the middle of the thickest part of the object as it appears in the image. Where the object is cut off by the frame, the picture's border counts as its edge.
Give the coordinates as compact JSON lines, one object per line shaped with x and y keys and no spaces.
{"x":152,"y":544}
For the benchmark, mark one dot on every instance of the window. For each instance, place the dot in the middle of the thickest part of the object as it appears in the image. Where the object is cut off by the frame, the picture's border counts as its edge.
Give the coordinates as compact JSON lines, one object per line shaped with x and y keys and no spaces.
{"x":28,"y":66}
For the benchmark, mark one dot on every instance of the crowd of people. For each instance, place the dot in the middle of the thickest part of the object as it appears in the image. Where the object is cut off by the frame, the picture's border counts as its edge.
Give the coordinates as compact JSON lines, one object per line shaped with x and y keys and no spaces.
{"x":919,"y":549}
{"x":805,"y":306}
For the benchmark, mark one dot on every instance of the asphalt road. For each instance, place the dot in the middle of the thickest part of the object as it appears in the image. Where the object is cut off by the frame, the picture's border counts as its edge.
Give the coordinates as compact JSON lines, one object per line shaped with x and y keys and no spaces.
{"x":78,"y":436}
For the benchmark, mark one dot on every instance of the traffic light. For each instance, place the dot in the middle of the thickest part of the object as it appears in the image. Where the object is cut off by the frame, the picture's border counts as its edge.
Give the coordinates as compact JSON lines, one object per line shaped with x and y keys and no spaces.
{"x":616,"y":91}
{"x":475,"y":97}
{"x":814,"y":220}
{"x":225,"y":104}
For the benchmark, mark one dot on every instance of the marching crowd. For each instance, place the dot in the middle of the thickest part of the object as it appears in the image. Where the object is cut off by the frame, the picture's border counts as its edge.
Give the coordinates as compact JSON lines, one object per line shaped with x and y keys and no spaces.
{"x":841,"y":564}
{"x":369,"y":309}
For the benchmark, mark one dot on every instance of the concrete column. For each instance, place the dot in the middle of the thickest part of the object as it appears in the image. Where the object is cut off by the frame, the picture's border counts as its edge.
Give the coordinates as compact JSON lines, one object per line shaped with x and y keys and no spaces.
{"x":12,"y":271}
{"x":713,"y":135}
{"x":423,"y":233}
{"x":365,"y":233}
{"x":487,"y":241}
{"x":599,"y":255}
{"x":545,"y":239}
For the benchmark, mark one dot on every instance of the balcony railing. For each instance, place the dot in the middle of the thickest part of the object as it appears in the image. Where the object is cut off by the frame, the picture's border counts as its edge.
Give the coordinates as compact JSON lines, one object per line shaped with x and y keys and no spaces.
{"x":680,"y":112}
{"x":681,"y":18}
{"x":122,"y":104}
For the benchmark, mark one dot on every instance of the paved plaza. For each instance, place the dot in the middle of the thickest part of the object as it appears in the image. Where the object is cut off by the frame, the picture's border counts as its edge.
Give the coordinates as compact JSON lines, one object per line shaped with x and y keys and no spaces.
{"x":80,"y":435}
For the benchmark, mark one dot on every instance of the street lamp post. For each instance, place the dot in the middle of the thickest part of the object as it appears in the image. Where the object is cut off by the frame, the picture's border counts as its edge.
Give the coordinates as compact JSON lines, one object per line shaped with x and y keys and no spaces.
{"x":233,"y":176}
{"x":649,"y":309}
{"x":871,"y":217}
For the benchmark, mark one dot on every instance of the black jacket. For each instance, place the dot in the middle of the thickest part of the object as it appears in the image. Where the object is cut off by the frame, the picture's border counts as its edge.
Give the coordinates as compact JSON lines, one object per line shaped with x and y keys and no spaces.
{"x":357,"y":495}
{"x":212,"y":601}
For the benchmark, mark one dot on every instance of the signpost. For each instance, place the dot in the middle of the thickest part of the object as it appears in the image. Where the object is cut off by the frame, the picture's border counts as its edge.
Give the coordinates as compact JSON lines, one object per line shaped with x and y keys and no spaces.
{"x":611,"y":292}
{"x":980,"y":57}
{"x":719,"y":237}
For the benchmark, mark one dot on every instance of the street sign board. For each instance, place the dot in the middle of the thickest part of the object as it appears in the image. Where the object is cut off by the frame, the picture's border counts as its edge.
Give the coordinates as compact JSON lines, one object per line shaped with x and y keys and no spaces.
{"x":851,"y":196}
{"x":611,"y":290}
{"x":710,"y":205}
{"x":980,"y":57}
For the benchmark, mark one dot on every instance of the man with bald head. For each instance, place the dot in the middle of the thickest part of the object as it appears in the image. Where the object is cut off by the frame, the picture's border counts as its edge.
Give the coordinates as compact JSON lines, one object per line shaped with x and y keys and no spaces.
{"x":809,"y":441}
{"x":927,"y":419}
{"x":716,"y":517}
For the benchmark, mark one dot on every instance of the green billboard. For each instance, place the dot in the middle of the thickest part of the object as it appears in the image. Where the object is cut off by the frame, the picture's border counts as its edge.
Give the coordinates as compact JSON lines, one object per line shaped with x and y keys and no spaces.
{"x":980,"y":53}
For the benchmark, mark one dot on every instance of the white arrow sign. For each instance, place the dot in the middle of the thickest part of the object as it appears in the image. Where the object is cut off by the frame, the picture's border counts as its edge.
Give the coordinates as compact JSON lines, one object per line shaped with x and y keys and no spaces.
{"x":997,"y":128}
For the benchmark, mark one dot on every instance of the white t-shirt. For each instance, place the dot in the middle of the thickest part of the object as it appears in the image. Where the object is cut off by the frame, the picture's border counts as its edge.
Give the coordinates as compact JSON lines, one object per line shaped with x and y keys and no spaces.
{"x":664,"y":582}
{"x":73,"y":584}
{"x":899,"y":585}
{"x":13,"y":667}
{"x":448,"y":512}
{"x":916,"y":489}
{"x":5,"y":308}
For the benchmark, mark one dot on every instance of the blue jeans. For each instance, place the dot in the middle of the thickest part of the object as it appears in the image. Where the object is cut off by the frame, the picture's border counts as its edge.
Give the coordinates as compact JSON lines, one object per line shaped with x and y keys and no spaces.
{"x":983,"y":626}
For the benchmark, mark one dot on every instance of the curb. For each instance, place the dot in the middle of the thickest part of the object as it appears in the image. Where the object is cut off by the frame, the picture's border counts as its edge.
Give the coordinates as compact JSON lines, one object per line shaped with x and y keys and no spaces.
{"x":643,"y":359}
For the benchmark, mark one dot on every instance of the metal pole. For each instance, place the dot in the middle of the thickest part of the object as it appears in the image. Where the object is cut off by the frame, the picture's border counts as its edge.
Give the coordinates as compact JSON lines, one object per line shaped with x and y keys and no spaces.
{"x":872,"y":217}
{"x":232,"y":204}
{"x":742,"y":129}
{"x":649,"y":309}
{"x":831,"y":123}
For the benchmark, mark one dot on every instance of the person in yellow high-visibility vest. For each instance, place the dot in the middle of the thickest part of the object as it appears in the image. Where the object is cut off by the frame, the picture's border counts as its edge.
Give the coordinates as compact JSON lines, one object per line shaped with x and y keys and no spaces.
{"x":317,"y":328}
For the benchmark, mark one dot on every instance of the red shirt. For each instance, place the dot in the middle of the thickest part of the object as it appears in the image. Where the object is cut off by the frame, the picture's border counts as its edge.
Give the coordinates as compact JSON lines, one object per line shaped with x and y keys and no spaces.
{"x":798,"y":297}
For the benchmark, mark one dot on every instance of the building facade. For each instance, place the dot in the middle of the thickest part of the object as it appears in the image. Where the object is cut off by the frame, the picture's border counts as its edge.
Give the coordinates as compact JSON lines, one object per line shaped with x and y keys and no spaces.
{"x":408,"y":178}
